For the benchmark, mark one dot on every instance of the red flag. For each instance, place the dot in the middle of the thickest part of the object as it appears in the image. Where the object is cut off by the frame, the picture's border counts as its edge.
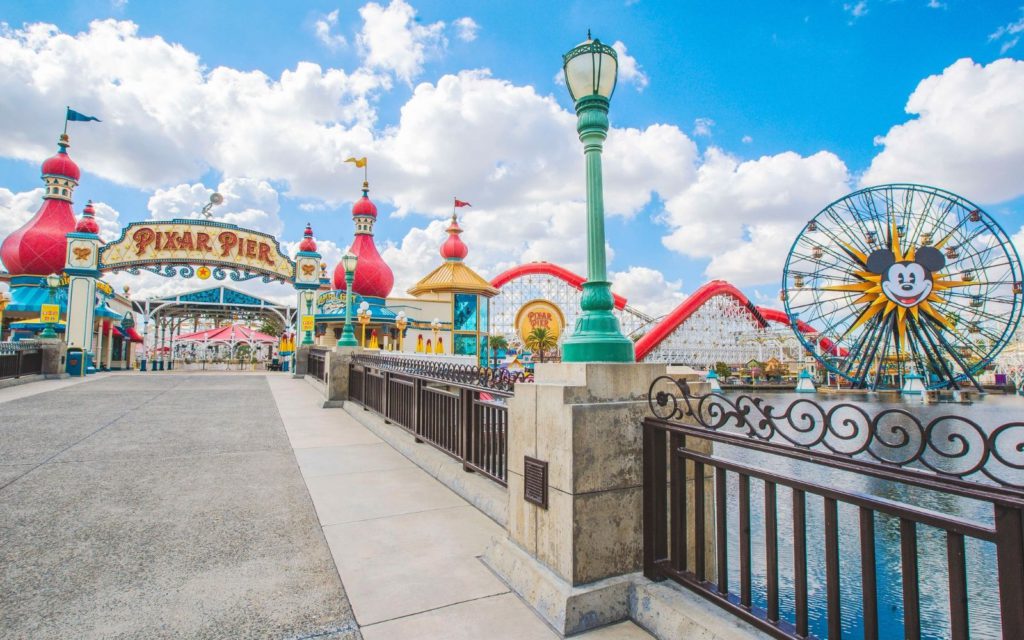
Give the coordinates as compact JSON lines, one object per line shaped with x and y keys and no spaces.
{"x":460,"y":203}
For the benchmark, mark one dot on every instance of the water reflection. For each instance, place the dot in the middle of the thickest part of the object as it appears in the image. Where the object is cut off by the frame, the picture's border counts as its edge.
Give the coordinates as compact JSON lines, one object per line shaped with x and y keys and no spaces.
{"x":932,"y":564}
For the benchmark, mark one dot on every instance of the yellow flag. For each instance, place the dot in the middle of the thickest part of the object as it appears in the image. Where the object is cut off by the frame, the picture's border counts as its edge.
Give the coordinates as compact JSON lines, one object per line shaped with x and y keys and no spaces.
{"x":359,"y":162}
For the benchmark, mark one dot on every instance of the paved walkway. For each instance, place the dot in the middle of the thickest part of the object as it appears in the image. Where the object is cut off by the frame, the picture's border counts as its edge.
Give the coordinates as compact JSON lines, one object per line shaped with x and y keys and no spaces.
{"x":169,"y":505}
{"x":407,"y":548}
{"x":158,"y":506}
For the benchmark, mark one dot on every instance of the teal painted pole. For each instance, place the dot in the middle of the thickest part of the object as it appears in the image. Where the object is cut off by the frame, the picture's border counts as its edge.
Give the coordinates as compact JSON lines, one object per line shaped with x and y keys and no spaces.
{"x":307,"y":336}
{"x":348,"y":334}
{"x":597,"y":336}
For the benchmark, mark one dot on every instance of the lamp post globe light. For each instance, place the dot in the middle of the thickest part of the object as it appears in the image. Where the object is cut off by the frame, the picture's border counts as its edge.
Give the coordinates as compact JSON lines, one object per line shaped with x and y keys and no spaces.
{"x":349,"y":261}
{"x":591,"y":70}
{"x":52,"y":282}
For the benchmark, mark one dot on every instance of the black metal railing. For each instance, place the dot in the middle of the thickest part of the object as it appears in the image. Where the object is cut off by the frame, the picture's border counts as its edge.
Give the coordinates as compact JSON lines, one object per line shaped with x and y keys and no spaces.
{"x":806,"y":522}
{"x":19,"y":359}
{"x":459,"y":409}
{"x":317,"y":364}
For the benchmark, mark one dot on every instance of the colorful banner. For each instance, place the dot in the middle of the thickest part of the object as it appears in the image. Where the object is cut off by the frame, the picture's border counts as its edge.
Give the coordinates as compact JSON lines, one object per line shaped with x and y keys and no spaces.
{"x":307,"y":323}
{"x":49,"y":313}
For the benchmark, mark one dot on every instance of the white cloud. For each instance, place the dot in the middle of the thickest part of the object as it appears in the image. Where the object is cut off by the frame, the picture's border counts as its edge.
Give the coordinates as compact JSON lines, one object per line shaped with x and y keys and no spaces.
{"x":109,"y":220}
{"x":702,"y":127}
{"x":648,"y":290}
{"x":466,"y":28}
{"x":935,"y":4}
{"x":746,"y":140}
{"x":968,"y":136}
{"x":1008,"y":34}
{"x":630,"y":71}
{"x":167,"y":119}
{"x":17,"y":208}
{"x":856,"y":9}
{"x":393,"y":40}
{"x":324,"y":27}
{"x":253,"y":204}
{"x":744,"y":215}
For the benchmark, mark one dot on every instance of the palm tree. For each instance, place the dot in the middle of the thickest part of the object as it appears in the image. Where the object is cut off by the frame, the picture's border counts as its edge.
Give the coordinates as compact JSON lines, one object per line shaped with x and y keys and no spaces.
{"x":541,"y":339}
{"x":496,"y":343}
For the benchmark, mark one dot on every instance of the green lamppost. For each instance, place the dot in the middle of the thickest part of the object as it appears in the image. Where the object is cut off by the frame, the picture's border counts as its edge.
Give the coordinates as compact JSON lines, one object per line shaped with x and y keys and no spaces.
{"x":307,"y":336}
{"x":590,"y":73}
{"x":349,"y":261}
{"x":52,"y":282}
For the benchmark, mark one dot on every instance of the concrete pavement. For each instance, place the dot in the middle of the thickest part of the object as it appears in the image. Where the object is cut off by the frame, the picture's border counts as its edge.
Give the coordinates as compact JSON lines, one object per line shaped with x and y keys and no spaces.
{"x":407,"y":547}
{"x":158,"y":506}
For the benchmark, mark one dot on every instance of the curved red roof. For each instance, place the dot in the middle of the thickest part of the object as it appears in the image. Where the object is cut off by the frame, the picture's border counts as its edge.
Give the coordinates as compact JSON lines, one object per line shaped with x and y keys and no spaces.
{"x":549,"y":269}
{"x":61,"y":165}
{"x":308,"y":243}
{"x":680,"y":314}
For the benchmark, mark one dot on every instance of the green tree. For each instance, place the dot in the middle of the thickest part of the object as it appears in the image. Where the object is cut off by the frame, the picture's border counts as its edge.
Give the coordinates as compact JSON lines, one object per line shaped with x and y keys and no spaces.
{"x":272,"y":327}
{"x":722,"y":370}
{"x":540,"y":340}
{"x":497,"y":343}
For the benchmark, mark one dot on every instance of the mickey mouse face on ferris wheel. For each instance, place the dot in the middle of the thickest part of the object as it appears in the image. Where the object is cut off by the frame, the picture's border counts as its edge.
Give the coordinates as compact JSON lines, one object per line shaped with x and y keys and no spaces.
{"x":907,"y":283}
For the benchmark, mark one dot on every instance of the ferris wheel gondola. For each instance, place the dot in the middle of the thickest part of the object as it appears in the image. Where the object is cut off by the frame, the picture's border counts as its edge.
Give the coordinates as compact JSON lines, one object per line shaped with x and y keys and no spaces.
{"x":907,"y":278}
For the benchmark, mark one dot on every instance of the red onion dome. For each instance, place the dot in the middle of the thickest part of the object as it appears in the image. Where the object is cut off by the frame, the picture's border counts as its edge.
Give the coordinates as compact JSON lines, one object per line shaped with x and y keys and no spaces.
{"x":364,"y":206}
{"x":38,"y":246}
{"x":374,"y":278}
{"x":87,"y":223}
{"x":61,"y":165}
{"x":308,"y":243}
{"x":454,"y":248}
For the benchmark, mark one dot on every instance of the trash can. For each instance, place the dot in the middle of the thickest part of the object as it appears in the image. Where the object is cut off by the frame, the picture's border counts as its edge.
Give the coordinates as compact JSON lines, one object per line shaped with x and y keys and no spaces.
{"x":75,"y":361}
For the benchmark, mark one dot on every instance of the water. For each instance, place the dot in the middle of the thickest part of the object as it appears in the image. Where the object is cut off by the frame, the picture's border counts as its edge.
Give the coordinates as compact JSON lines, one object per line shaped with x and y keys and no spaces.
{"x":983,"y":600}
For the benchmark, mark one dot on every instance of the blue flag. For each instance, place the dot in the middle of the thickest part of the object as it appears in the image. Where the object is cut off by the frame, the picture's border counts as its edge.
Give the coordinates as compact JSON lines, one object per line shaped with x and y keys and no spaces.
{"x":74,"y":116}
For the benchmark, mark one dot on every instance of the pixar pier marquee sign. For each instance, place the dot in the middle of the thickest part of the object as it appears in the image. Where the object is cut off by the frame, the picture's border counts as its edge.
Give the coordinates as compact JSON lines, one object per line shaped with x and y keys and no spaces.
{"x":197,"y":242}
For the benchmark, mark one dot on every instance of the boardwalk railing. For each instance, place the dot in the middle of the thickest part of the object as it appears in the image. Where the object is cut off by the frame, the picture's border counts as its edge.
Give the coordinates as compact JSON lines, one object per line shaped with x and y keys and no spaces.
{"x":317,"y":364}
{"x":459,"y":409}
{"x":813,"y":553}
{"x":20,"y":359}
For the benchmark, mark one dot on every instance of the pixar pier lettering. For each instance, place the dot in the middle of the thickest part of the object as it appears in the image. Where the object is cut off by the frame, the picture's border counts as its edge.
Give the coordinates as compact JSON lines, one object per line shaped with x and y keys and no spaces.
{"x":226,"y":244}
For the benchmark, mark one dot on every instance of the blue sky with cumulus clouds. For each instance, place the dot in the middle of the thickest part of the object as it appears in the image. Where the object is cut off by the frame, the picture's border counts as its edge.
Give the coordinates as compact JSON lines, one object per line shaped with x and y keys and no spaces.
{"x":733,"y":122}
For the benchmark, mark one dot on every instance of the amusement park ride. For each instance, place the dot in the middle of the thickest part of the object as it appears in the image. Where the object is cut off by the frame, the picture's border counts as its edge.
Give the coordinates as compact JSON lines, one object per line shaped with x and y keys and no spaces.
{"x":888,"y":283}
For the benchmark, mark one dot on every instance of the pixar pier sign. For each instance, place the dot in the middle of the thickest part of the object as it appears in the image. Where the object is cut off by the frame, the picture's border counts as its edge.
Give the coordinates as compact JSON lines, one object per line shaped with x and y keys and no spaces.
{"x":196,"y":242}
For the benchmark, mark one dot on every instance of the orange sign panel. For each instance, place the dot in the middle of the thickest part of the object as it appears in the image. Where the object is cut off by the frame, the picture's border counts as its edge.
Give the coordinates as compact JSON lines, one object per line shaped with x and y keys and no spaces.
{"x":536,"y":314}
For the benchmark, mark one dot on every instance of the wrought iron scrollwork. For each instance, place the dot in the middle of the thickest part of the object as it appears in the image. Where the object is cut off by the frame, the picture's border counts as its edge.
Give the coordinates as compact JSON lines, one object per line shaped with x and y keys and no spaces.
{"x":498,"y":381}
{"x":948,"y":445}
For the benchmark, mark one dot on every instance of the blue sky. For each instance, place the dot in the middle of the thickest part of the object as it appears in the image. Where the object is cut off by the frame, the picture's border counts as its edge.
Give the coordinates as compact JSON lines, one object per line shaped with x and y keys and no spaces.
{"x":749,"y":115}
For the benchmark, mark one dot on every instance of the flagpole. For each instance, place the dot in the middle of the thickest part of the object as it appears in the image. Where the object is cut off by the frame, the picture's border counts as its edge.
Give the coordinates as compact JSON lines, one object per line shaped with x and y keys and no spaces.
{"x":66,"y":110}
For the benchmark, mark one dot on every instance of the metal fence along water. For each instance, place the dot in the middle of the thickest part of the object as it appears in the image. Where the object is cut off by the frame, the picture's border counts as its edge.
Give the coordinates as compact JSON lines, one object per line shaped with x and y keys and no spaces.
{"x":459,"y":409}
{"x":754,"y":509}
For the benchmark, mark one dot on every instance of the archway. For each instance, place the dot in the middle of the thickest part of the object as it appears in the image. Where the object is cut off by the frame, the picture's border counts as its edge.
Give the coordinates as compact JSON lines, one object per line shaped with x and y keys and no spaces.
{"x":186,"y":248}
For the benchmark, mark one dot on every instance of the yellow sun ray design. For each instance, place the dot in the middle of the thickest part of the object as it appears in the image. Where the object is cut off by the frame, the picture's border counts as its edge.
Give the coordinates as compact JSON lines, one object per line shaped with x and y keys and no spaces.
{"x":876,"y":303}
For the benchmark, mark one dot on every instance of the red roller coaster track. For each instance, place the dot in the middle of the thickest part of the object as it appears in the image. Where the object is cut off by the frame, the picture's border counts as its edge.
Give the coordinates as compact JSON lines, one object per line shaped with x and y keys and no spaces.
{"x":679,"y":315}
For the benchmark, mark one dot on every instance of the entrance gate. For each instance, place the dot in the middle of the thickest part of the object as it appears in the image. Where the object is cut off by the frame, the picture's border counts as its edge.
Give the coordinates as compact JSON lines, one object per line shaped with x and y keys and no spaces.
{"x":185,"y":248}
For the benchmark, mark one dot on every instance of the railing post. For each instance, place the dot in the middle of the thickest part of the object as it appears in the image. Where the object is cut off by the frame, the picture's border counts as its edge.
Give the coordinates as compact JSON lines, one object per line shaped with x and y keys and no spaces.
{"x":466,"y":425}
{"x":417,"y":411}
{"x":19,"y":367}
{"x":385,"y":406}
{"x":655,"y":522}
{"x":1010,"y":561}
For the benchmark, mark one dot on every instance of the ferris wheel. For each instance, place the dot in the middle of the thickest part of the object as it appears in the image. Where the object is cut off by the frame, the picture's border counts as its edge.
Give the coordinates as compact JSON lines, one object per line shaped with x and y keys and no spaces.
{"x":900,"y":279}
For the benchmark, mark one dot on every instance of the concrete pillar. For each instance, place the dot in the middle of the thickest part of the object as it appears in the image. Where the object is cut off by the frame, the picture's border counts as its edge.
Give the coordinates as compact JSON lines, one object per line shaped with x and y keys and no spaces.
{"x":82,"y":268}
{"x":575,"y":560}
{"x":110,"y":346}
{"x":53,"y":358}
{"x":98,"y":364}
{"x":338,"y":361}
{"x":301,"y":361}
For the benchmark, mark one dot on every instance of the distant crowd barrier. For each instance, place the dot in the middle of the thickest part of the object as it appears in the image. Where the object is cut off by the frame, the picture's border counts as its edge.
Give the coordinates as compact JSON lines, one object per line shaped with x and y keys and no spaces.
{"x":19,"y":359}
{"x":460,"y":409}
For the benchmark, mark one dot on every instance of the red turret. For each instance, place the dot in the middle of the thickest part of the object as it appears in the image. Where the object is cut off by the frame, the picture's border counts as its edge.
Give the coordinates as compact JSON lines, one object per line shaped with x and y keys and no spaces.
{"x":308,"y":243}
{"x":454,"y":248}
{"x":374,"y":278}
{"x":38,"y":247}
{"x":87,"y":223}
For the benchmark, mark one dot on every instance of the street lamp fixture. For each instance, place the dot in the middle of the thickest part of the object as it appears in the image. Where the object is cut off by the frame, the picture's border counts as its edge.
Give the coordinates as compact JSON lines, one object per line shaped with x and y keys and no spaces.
{"x":591,"y":70}
{"x":52,"y":282}
{"x":349,"y":262}
{"x":363,"y":316}
{"x":401,"y":322}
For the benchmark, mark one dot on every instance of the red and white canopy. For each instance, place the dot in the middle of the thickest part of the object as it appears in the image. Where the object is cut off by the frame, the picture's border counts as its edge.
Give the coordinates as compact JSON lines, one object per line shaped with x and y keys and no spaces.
{"x":230,"y":334}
